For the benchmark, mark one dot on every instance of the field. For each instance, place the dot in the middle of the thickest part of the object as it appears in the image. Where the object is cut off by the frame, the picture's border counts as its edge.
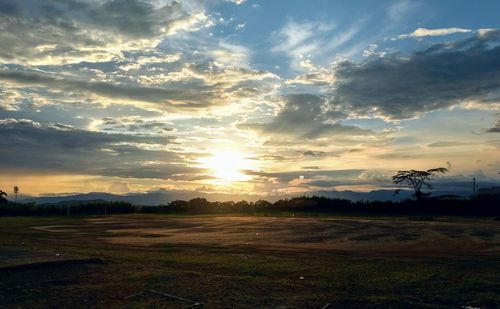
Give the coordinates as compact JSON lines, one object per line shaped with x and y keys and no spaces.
{"x":128,"y":261}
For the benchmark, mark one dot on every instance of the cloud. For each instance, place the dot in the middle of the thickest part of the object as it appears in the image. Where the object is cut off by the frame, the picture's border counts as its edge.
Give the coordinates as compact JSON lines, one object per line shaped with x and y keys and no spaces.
{"x":449,"y":144}
{"x":159,"y":98}
{"x":401,"y":87}
{"x":129,"y":74}
{"x":286,"y":177}
{"x":155,"y":80}
{"x":210,"y":74}
{"x":315,"y":76}
{"x":119,"y":187}
{"x":310,"y":153}
{"x":166,"y":98}
{"x":313,"y":179}
{"x":400,"y":9}
{"x":424,"y":32}
{"x":58,"y":32}
{"x":307,"y":116}
{"x":301,"y":39}
{"x":32,"y":147}
{"x":495,"y":128}
{"x":117,"y":53}
{"x":148,"y":60}
{"x":237,"y":2}
{"x":9,"y":99}
{"x":240,"y":26}
{"x":134,"y":124}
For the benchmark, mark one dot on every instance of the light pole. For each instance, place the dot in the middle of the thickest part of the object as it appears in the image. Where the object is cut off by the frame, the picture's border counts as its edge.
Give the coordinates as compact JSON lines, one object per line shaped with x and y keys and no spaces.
{"x":16,"y":190}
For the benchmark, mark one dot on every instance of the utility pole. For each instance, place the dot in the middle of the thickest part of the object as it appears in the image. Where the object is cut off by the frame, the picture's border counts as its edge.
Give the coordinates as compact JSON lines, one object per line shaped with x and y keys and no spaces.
{"x":16,"y":190}
{"x":474,"y":187}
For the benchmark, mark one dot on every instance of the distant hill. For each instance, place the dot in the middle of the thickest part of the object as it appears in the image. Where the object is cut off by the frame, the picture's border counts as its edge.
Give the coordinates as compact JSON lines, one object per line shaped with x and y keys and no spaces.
{"x":151,"y":198}
{"x":385,"y":195}
{"x":159,"y":197}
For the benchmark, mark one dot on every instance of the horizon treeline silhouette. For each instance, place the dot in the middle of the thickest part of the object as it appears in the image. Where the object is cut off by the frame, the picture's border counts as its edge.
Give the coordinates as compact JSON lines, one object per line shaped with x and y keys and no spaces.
{"x":309,"y":205}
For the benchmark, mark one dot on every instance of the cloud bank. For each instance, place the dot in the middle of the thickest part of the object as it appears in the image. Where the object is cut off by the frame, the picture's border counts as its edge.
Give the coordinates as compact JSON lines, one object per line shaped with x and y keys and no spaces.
{"x":442,"y":76}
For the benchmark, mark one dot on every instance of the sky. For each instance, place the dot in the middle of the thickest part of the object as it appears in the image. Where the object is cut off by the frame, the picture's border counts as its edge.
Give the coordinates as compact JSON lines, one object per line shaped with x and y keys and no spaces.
{"x":234,"y":96}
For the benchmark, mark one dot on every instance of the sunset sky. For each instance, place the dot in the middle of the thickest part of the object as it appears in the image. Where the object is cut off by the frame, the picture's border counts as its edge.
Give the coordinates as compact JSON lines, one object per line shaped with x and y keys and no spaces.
{"x":255,"y":96}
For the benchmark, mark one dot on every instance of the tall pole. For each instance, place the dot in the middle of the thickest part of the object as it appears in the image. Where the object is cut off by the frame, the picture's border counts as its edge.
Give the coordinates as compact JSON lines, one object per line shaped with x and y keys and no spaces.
{"x":474,"y":187}
{"x":16,"y":190}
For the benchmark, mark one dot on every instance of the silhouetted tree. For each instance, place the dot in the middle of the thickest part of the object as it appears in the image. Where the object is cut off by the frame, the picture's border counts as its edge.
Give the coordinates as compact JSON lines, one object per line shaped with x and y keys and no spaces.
{"x":417,"y":179}
{"x":262,"y":205}
{"x":198,"y":205}
{"x":3,"y":197}
{"x":243,"y":206}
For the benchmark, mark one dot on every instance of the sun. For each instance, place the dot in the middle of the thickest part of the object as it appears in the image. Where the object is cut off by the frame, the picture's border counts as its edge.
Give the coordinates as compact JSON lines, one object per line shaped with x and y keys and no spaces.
{"x":227,"y":166}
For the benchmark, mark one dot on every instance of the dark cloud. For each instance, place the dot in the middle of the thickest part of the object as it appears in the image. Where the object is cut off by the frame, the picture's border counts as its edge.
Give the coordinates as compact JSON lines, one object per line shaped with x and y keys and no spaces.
{"x":399,"y":87}
{"x":57,"y":148}
{"x":134,"y":124}
{"x":449,"y":144}
{"x":132,"y":17}
{"x":310,"y":153}
{"x":286,"y":177}
{"x":74,"y":29}
{"x":160,"y":97}
{"x":273,"y":158}
{"x":355,"y":150}
{"x":307,"y":116}
{"x":314,"y":176}
{"x":311,"y":167}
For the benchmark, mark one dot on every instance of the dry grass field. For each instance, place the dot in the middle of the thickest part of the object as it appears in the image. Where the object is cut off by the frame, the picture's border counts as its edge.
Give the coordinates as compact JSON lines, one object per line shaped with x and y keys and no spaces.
{"x":249,"y":262}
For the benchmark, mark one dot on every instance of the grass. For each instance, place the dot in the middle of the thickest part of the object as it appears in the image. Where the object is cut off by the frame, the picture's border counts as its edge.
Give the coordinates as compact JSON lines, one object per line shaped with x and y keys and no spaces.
{"x":237,"y":277}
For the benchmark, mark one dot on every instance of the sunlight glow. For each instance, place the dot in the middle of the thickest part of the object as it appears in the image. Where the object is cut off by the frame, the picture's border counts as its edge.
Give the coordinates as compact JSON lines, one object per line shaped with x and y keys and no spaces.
{"x":227,"y":166}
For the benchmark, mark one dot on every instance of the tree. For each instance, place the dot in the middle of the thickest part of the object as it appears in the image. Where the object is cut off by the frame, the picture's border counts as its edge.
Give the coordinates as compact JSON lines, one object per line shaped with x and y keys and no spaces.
{"x":417,"y":179}
{"x":3,"y":197}
{"x":262,"y":205}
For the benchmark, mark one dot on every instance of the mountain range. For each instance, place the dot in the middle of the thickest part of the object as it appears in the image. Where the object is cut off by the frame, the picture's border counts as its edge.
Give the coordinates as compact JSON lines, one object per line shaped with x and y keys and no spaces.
{"x":162,"y":196}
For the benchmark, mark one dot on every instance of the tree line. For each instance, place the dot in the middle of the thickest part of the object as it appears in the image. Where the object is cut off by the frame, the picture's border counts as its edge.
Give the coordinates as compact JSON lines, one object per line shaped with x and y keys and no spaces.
{"x":307,"y":205}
